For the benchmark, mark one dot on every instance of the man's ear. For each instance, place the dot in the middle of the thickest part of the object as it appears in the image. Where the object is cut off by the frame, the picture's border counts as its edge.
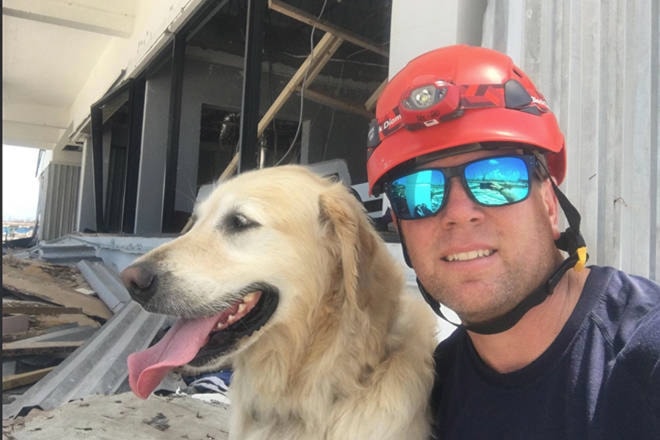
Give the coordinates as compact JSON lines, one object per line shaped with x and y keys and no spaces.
{"x":551,"y":205}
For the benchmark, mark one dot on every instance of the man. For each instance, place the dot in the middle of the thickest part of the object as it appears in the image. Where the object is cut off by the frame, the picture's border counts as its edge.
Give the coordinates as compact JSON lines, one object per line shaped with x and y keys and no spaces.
{"x":470,"y":156}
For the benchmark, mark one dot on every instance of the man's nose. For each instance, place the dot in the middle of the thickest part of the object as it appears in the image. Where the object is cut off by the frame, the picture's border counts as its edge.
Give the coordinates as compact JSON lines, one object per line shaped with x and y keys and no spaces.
{"x":460,"y":207}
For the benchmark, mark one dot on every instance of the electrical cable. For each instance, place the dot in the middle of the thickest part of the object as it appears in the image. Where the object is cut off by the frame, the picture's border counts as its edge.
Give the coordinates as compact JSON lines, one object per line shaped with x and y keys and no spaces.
{"x":302,"y":88}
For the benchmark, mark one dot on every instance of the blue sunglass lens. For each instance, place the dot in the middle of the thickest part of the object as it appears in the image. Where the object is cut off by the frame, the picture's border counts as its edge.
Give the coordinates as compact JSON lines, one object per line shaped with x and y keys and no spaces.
{"x":495,"y":181}
{"x":417,"y":195}
{"x":498,"y":181}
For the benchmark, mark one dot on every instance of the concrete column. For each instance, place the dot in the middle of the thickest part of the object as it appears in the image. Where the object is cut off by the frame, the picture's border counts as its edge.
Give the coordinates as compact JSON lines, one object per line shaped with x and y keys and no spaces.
{"x":418,"y":26}
{"x":86,"y":207}
{"x":151,"y":180}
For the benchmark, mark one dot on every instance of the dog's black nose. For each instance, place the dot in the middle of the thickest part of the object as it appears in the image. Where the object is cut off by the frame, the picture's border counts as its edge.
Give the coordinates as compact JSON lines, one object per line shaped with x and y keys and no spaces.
{"x":139,"y":279}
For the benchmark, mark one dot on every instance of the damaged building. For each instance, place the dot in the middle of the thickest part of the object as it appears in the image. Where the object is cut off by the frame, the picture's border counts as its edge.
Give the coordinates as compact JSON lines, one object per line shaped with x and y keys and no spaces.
{"x":143,"y":105}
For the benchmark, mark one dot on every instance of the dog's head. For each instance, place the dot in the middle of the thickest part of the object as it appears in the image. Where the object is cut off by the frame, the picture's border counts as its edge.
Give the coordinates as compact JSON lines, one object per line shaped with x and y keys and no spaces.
{"x":266,"y":246}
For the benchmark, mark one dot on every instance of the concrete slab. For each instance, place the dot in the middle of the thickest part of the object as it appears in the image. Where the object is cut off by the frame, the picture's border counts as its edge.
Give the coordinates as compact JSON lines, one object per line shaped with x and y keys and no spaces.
{"x":124,"y":416}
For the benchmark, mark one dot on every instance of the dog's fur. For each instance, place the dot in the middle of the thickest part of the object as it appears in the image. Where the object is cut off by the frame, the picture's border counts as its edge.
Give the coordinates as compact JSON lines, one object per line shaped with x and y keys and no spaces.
{"x":347,"y":354}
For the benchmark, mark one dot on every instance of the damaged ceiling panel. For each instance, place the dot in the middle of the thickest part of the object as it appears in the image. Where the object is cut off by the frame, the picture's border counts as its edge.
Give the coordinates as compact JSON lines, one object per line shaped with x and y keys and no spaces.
{"x":364,"y":25}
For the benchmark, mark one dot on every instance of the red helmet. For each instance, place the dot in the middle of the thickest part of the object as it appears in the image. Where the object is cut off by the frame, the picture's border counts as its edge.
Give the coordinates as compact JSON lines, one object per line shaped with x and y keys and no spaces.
{"x":454,"y":96}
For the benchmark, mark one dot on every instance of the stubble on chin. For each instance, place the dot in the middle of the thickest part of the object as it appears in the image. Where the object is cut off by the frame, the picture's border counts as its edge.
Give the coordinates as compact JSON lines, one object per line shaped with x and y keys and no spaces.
{"x":477,"y":299}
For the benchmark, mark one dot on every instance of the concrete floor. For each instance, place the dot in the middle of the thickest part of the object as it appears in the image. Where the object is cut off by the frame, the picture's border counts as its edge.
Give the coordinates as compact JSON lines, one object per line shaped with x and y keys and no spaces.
{"x":124,"y":417}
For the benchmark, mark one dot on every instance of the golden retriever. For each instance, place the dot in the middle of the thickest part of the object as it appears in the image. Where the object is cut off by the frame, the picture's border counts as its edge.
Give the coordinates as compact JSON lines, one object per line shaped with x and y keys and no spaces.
{"x":283,"y":277}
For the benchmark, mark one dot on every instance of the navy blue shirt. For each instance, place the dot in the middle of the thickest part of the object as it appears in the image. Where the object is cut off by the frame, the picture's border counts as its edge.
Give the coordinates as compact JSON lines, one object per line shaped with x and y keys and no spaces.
{"x":599,"y":379}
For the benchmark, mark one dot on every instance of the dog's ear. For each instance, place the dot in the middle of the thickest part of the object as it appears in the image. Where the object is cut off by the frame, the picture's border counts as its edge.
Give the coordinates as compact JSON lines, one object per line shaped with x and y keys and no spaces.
{"x":349,"y":234}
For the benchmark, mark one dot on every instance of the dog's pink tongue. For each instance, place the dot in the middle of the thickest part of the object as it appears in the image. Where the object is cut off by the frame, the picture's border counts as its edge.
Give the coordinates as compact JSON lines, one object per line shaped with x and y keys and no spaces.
{"x":146,"y":369}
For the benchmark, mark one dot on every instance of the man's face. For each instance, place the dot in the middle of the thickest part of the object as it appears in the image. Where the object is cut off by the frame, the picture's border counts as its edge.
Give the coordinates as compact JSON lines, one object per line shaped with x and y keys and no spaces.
{"x":481,"y":261}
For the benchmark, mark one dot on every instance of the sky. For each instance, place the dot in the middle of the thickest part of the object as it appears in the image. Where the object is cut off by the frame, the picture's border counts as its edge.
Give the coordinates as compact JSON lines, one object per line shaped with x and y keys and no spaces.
{"x":20,"y":186}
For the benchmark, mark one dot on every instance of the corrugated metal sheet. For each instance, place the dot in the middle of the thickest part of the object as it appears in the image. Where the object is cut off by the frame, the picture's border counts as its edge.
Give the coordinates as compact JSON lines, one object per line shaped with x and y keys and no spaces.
{"x":98,"y":366}
{"x":65,"y":250}
{"x":106,"y":283}
{"x":597,"y":64}
{"x":60,"y":188}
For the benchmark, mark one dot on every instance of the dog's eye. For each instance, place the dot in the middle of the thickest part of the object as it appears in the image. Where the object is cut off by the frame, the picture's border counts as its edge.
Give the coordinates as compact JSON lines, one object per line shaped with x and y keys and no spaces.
{"x":238,"y":222}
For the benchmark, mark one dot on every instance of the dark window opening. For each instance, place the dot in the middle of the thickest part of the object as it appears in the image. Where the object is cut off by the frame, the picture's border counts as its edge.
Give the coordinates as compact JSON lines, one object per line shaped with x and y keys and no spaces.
{"x":219,"y":135}
{"x":116,"y":131}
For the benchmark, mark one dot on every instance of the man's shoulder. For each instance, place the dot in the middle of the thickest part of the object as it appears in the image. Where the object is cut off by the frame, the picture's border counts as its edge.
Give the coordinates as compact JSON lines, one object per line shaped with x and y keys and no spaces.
{"x":630,"y":402}
{"x":625,"y":300}
{"x":630,"y":314}
{"x":613,"y":280}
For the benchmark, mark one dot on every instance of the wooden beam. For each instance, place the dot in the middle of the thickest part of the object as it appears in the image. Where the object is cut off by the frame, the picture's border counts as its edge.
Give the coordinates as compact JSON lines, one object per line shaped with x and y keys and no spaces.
{"x":20,"y":348}
{"x":321,"y":54}
{"x":22,"y":379}
{"x":319,"y":64}
{"x":25,"y":283}
{"x":14,"y":324}
{"x":39,"y":309}
{"x":336,"y":103}
{"x":370,"y":104}
{"x":311,"y":20}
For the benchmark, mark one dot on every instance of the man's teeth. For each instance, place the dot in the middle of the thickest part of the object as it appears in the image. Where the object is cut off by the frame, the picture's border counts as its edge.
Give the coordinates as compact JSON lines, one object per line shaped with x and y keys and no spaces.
{"x":471,"y":255}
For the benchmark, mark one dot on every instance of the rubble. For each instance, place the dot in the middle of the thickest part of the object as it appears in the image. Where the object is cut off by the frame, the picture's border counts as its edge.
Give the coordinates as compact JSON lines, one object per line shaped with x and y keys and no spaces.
{"x":41,"y":299}
{"x":68,"y":327}
{"x":52,"y":284}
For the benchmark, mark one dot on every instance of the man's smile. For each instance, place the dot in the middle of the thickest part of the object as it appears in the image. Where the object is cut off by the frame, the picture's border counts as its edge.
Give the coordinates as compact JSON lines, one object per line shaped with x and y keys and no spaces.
{"x":470,"y":255}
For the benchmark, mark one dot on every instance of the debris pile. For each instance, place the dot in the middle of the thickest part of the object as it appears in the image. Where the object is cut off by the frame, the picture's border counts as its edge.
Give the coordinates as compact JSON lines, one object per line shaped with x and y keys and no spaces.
{"x":48,"y":311}
{"x":69,"y":325}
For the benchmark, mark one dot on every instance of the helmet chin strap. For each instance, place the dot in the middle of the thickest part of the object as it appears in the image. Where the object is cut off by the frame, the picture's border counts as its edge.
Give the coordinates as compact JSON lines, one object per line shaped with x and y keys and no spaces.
{"x":570,"y":240}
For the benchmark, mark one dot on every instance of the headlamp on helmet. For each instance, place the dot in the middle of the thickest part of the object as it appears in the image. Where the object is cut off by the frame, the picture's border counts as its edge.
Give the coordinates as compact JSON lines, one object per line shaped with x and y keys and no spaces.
{"x":429,"y":104}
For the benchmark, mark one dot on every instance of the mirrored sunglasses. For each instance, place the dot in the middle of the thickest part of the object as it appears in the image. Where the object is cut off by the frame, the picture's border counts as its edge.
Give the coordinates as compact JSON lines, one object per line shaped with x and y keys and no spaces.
{"x":490,"y":181}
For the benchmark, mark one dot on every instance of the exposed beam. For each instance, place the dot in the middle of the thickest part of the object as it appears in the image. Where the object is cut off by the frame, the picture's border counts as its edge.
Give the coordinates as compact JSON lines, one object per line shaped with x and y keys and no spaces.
{"x":39,"y":309}
{"x":323,"y":59}
{"x":113,"y":18}
{"x":336,"y":103}
{"x":20,"y":348}
{"x":22,"y":379}
{"x":300,"y":15}
{"x":370,"y":104}
{"x":312,"y":65}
